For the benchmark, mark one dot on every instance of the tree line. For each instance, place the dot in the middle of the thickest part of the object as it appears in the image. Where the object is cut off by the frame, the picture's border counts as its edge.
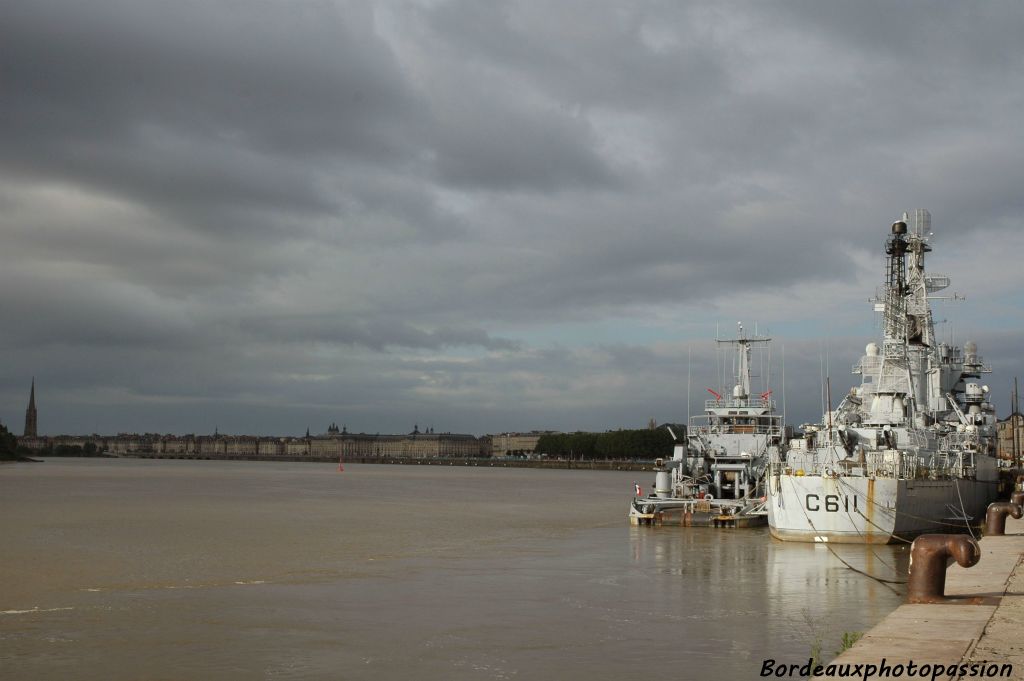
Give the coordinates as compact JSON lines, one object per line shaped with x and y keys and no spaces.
{"x":10,"y":450}
{"x":614,"y":444}
{"x":8,"y":445}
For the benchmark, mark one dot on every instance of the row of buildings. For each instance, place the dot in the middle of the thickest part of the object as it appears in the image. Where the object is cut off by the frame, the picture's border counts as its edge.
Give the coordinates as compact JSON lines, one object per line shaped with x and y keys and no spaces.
{"x":328,"y":446}
{"x":336,"y":443}
{"x":340,"y":444}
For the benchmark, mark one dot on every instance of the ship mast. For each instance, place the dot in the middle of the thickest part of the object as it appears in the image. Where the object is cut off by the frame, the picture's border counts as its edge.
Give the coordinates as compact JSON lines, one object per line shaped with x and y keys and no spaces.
{"x":894,"y":376}
{"x":894,"y":342}
{"x":921,"y":331}
{"x":909,"y":333}
{"x":741,"y":389}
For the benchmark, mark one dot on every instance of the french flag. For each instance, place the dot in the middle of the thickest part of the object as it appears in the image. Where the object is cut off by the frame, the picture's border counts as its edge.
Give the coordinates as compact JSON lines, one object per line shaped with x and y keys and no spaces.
{"x":639,"y":492}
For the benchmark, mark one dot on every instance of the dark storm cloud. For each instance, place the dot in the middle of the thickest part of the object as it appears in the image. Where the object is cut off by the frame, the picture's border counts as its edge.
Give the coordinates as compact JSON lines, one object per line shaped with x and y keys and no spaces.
{"x":307,"y":79}
{"x":491,"y":149}
{"x":591,"y":53}
{"x":482,"y":216}
{"x":199,"y":107}
{"x":376,"y":334}
{"x":616,"y":252}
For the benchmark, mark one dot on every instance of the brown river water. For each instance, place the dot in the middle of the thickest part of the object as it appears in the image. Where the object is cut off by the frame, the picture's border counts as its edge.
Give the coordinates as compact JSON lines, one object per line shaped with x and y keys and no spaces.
{"x":139,"y":569}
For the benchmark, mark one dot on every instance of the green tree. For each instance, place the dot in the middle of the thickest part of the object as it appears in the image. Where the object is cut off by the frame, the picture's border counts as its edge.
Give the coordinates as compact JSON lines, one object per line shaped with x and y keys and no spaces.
{"x":614,"y":444}
{"x":8,"y":445}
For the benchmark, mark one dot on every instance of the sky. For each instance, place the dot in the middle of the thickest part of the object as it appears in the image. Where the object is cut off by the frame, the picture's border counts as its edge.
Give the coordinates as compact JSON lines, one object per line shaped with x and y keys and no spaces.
{"x":266,"y":216}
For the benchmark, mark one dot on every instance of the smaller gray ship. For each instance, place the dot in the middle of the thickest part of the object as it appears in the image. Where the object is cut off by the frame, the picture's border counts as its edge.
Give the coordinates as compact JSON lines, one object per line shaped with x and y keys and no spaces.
{"x":716,"y":477}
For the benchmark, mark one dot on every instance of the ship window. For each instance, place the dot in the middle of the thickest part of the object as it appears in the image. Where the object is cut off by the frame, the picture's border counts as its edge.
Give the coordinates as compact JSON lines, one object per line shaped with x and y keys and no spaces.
{"x":868,"y":379}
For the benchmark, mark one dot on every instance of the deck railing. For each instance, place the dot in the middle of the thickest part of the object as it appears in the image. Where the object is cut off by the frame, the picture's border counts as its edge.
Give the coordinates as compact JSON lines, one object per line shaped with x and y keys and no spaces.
{"x":734,"y":403}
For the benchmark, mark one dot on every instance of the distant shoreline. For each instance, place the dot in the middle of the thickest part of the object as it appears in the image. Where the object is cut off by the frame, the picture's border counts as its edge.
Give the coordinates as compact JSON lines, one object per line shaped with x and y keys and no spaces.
{"x":557,"y":464}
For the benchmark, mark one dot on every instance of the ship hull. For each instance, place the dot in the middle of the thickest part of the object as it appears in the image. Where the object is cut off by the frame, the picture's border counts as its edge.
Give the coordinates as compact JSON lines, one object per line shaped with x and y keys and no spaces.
{"x":861,"y":510}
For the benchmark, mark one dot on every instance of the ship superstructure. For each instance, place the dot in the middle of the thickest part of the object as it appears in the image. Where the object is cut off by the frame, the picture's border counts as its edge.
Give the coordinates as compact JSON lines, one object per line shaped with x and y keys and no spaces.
{"x":909,"y":450}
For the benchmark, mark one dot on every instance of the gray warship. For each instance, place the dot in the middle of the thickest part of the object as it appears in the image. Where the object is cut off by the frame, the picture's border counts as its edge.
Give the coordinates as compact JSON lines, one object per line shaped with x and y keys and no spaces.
{"x":909,"y":450}
{"x":716,"y":475}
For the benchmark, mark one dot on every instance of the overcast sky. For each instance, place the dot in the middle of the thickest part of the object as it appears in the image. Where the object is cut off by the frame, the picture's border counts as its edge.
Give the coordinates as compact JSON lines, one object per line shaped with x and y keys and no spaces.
{"x":474,"y":216}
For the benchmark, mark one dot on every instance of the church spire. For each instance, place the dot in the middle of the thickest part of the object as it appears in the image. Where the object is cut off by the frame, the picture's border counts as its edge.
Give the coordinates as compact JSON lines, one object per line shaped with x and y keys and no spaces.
{"x":30,"y":413}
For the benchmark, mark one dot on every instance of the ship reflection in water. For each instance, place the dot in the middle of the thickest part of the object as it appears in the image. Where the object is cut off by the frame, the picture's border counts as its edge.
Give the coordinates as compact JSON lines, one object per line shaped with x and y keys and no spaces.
{"x":784,"y":597}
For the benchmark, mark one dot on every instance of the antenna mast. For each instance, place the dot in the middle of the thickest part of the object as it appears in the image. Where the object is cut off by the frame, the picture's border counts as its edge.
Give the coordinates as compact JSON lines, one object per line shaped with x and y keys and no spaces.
{"x":1015,"y":424}
{"x":688,"y":412}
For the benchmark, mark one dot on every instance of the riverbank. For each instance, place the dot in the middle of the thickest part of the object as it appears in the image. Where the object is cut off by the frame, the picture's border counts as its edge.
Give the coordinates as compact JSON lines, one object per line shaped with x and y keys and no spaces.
{"x":17,"y":458}
{"x":551,"y":464}
{"x":969,"y":640}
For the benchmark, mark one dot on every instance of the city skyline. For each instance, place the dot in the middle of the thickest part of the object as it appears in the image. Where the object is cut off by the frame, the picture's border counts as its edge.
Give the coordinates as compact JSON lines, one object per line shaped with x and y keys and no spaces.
{"x":486,"y":217}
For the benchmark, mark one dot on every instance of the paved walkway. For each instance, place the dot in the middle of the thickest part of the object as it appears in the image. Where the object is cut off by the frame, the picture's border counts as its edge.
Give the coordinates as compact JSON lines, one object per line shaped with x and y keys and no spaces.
{"x":956,"y":634}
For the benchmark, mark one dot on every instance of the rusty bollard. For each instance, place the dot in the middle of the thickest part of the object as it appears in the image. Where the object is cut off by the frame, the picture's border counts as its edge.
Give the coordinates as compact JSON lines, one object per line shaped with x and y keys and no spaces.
{"x":1017,"y":497}
{"x":995,"y":517}
{"x":930,"y":554}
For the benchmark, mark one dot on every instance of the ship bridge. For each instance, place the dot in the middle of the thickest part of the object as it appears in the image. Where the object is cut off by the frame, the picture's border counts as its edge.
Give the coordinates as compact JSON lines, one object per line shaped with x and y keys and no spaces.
{"x":742,"y":416}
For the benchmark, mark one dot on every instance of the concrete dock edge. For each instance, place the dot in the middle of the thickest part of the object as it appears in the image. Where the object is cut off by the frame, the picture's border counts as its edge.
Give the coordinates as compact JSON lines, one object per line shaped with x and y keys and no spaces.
{"x":972,"y":637}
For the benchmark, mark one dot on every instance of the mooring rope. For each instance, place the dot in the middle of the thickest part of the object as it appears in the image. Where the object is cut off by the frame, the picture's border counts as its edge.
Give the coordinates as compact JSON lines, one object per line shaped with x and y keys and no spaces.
{"x":870,"y":547}
{"x":868,"y":520}
{"x":963,"y":511}
{"x":904,"y":513}
{"x":884,"y":582}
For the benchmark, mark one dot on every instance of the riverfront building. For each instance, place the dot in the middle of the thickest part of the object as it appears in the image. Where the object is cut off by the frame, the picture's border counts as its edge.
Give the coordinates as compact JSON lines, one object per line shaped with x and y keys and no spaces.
{"x":516,"y":444}
{"x":1010,"y":433}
